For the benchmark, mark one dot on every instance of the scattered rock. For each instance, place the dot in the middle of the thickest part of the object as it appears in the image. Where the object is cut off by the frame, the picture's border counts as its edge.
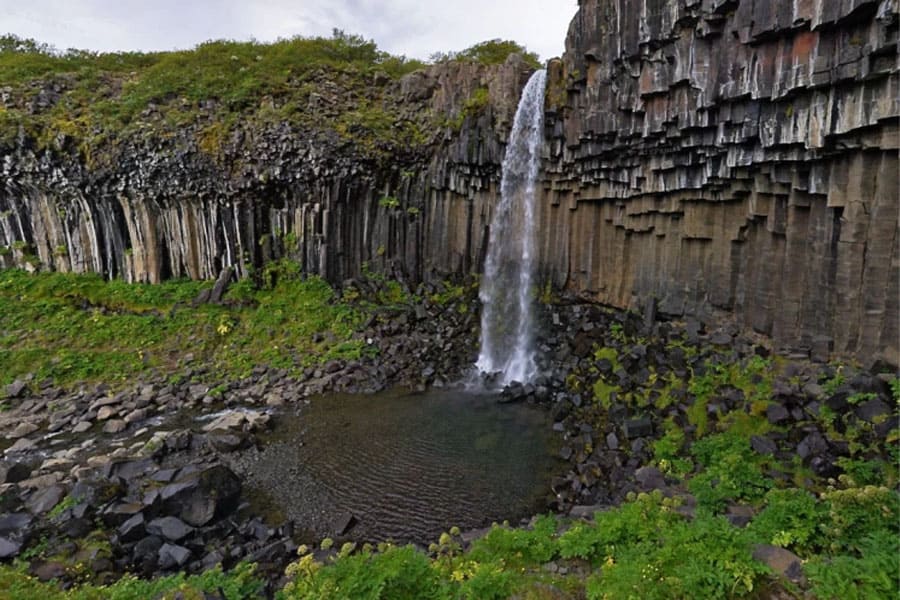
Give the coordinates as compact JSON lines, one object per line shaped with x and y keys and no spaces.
{"x":343,"y":523}
{"x":637,"y":428}
{"x":16,"y":389}
{"x":763,"y":445}
{"x":115,"y":426}
{"x":781,"y":561}
{"x":14,"y":472}
{"x":133,"y":529}
{"x":198,"y":497}
{"x":169,"y":528}
{"x":172,"y":556}
{"x":22,"y":430}
{"x":9,"y":548}
{"x":44,"y":500}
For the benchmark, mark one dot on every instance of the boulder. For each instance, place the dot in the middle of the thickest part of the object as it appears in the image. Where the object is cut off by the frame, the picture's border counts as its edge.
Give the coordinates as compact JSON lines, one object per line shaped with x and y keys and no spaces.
{"x":44,"y":500}
{"x":200,"y":497}
{"x":14,"y":523}
{"x":9,"y":548}
{"x":14,"y":472}
{"x":776,"y":413}
{"x":133,"y":529}
{"x":169,"y":528}
{"x":171,"y":556}
{"x":343,"y":523}
{"x":16,"y":389}
{"x":763,"y":445}
{"x":21,"y":430}
{"x":115,"y":426}
{"x":781,"y":561}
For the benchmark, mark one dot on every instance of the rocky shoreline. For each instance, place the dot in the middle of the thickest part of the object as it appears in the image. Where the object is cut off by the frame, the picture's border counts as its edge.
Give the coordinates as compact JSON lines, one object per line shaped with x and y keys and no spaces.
{"x":137,"y":480}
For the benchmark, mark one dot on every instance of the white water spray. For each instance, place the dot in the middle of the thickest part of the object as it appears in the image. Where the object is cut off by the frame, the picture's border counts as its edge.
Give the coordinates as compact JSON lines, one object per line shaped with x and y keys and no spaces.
{"x":507,"y":319}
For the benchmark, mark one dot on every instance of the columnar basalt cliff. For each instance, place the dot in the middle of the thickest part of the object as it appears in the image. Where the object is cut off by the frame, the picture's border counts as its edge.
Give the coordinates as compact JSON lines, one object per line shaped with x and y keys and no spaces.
{"x":729,"y":160}
{"x":159,"y":204}
{"x":732,"y":159}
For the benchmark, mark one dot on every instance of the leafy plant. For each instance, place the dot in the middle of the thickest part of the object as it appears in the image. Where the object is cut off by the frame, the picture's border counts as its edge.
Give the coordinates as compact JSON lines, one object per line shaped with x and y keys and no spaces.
{"x":731,"y":471}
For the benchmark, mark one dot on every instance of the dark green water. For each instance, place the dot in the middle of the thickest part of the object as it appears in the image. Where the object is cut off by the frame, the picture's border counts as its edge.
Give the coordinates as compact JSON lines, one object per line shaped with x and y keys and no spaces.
{"x":407,"y":466}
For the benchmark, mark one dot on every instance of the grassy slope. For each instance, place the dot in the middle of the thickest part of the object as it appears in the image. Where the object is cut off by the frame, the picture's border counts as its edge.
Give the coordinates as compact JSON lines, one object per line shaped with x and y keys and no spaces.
{"x":336,"y":84}
{"x":79,"y":328}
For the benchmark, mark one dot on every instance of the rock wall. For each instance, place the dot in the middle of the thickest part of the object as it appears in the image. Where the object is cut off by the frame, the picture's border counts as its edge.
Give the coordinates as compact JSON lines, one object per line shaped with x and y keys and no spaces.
{"x":163,"y":206}
{"x":732,"y":160}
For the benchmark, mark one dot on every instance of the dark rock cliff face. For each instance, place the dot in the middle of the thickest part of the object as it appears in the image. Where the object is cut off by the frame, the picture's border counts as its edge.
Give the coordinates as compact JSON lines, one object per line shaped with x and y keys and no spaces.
{"x":732,"y":159}
{"x":162,"y":205}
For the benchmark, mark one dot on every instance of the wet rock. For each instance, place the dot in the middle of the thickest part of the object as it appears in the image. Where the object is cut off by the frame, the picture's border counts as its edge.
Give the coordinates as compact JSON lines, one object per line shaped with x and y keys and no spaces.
{"x":238,"y":420}
{"x":136,"y":415}
{"x":226,"y":442}
{"x":343,"y":523}
{"x":179,"y":440}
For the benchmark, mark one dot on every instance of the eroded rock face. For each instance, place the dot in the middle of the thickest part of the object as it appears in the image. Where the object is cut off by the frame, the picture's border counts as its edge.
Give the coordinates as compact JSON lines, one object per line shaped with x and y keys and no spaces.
{"x":726,"y":160}
{"x":161,"y":205}
{"x":732,"y":159}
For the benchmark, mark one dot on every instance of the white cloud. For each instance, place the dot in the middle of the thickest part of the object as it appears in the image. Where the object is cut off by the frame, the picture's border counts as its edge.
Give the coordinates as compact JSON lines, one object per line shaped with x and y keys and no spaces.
{"x":415,"y":28}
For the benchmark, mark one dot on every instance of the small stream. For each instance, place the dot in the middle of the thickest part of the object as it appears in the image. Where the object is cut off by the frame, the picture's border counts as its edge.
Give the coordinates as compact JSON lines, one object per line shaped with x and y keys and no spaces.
{"x":406,"y":466}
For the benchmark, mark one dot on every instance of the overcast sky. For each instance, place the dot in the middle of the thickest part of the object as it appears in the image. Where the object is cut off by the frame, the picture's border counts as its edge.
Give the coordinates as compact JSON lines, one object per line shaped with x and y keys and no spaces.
{"x":415,"y":28}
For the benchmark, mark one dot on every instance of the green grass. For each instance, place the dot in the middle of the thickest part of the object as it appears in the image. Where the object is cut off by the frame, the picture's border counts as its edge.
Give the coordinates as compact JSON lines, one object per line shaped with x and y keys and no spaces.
{"x":16,"y":584}
{"x":75,"y":328}
{"x":490,"y":52}
{"x":645,"y":548}
{"x":337,"y":84}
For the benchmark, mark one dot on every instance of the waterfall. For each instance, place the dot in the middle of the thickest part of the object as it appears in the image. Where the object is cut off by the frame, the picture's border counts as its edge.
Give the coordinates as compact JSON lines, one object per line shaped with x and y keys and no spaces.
{"x":507,"y":320}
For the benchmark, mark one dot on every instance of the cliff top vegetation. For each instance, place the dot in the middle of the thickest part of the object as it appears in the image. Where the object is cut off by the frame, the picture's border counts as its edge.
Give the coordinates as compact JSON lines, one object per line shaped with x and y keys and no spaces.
{"x":340,"y":83}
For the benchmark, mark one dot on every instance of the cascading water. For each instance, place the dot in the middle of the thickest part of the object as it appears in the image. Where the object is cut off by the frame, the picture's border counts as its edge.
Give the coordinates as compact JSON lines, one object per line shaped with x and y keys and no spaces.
{"x":507,"y":320}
